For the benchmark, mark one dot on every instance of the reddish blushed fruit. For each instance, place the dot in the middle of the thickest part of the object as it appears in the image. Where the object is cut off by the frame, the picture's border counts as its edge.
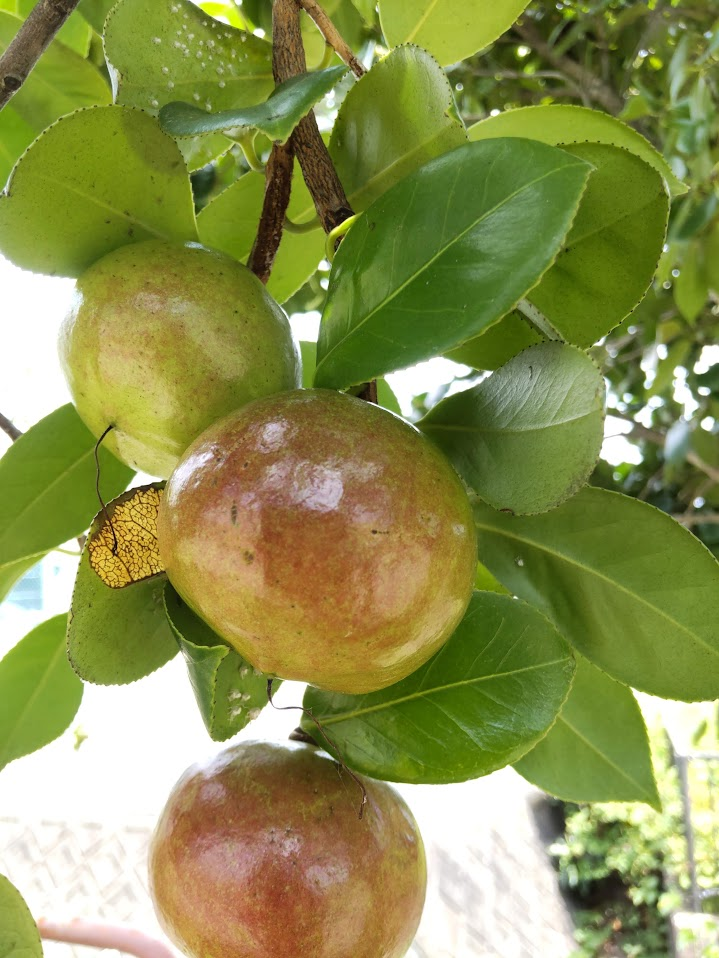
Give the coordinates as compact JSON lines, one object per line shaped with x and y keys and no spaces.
{"x":323,"y":537}
{"x":162,"y":339}
{"x":261,"y":854}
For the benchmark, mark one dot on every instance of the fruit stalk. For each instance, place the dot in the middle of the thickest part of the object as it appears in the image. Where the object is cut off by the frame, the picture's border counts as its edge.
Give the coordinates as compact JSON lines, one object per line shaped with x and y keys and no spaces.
{"x":31,"y":41}
{"x":9,"y":428}
{"x":128,"y":940}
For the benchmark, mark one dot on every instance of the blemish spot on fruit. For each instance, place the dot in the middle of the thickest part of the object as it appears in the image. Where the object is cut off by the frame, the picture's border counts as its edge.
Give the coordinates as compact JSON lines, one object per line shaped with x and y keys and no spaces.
{"x":233,"y":514}
{"x":248,"y":556}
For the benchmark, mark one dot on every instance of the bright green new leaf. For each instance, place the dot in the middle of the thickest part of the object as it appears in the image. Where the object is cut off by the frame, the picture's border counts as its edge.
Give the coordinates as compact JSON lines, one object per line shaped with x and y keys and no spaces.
{"x":397,"y":117}
{"x":171,"y":50}
{"x":612,"y":250}
{"x":598,"y":749}
{"x":68,"y":204}
{"x":630,"y":588}
{"x":116,"y":636}
{"x":19,"y":936}
{"x":527,"y":437}
{"x":75,"y":33}
{"x":559,"y":123}
{"x":451,"y":30}
{"x":229,"y":223}
{"x":95,"y":12}
{"x":482,"y":701}
{"x":435,"y":260}
{"x":39,"y":692}
{"x":496,"y":345}
{"x":47,"y":486}
{"x":230,"y":693}
{"x":61,"y":82}
{"x":276,"y":117}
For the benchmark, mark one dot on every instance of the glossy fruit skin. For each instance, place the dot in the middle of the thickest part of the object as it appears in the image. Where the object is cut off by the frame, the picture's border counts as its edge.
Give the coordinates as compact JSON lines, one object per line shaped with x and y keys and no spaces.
{"x":323,"y":537}
{"x":162,"y":339}
{"x":260,"y":853}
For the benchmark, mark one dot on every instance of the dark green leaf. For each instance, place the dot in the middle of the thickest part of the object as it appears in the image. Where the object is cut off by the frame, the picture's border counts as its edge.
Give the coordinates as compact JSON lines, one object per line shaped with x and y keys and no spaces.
{"x":116,"y":636}
{"x":230,"y":693}
{"x":496,"y":345}
{"x":276,"y":117}
{"x":95,"y":12}
{"x":69,"y":203}
{"x":598,"y":749}
{"x":559,"y":123}
{"x":435,"y":261}
{"x":482,"y":701}
{"x":385,"y":395}
{"x":397,"y":117}
{"x":451,"y":30}
{"x":19,"y":937}
{"x":629,"y":587}
{"x":527,"y":437}
{"x":611,"y":252}
{"x":39,"y":692}
{"x":691,"y":287}
{"x":47,"y":486}
{"x":229,"y":223}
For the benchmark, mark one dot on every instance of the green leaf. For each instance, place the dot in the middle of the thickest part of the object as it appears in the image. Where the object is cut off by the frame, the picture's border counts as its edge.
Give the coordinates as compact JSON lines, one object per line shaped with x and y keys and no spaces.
{"x":68,"y":203}
{"x":630,"y":588}
{"x":229,"y":223}
{"x":171,"y":50}
{"x":562,"y":123}
{"x":276,"y":117}
{"x":47,"y":486}
{"x":75,"y":33}
{"x":527,"y":437}
{"x":385,"y":394}
{"x":230,"y":693}
{"x":496,"y":345}
{"x":451,"y":30}
{"x":691,"y":287}
{"x":39,"y":692}
{"x":400,"y":115}
{"x":19,"y":935}
{"x":61,"y":82}
{"x":482,"y":701}
{"x":612,"y":250}
{"x":598,"y":749}
{"x":435,"y":261}
{"x":116,"y":636}
{"x":95,"y":12}
{"x":12,"y":573}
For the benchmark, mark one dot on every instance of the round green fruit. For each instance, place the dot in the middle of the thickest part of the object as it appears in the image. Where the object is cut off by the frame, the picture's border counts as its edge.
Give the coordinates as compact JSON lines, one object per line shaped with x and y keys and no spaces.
{"x":163,"y":339}
{"x":323,"y":537}
{"x":261,"y":854}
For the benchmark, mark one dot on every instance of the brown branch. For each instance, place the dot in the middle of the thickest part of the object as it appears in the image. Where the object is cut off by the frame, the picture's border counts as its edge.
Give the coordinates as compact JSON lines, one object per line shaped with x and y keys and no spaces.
{"x":278,"y":185}
{"x":128,"y":940}
{"x":697,"y":518}
{"x":9,"y":428}
{"x":318,"y":170}
{"x":332,"y":35}
{"x":30,"y":42}
{"x":594,"y":88}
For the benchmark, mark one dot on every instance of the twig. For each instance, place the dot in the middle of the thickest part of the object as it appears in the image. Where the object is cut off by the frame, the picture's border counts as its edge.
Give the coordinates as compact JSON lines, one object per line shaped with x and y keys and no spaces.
{"x":332,"y":35}
{"x":129,"y":940}
{"x":319,"y":173}
{"x":9,"y":428}
{"x":278,"y":185}
{"x":30,"y":42}
{"x":697,"y":518}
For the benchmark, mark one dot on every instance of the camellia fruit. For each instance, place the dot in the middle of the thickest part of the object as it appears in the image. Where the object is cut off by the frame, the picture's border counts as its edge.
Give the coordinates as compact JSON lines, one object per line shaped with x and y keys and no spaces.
{"x":162,"y":339}
{"x":323,"y":537}
{"x":261,"y":854}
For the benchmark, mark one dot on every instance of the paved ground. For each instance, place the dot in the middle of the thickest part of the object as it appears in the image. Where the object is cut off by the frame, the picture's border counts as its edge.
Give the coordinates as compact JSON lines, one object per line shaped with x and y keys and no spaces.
{"x":492,"y":891}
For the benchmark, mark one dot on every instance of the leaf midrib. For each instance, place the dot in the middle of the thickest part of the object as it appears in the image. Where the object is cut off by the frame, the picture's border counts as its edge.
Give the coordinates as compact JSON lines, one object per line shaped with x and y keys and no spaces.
{"x":425,"y":693}
{"x":502,"y":430}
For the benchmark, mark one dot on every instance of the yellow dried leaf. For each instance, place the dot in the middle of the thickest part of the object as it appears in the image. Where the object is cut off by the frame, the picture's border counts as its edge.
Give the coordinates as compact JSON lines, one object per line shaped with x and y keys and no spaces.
{"x":124,"y":548}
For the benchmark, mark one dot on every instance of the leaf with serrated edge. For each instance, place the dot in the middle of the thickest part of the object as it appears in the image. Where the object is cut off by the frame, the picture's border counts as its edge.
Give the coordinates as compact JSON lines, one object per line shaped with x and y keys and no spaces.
{"x":230,"y":693}
{"x":68,"y":204}
{"x":480,"y":703}
{"x":635,"y":592}
{"x":276,"y":117}
{"x":598,"y":749}
{"x":39,"y":692}
{"x":371,"y":150}
{"x":451,"y":30}
{"x":17,"y":924}
{"x":434,"y":260}
{"x":559,"y":123}
{"x":527,"y":437}
{"x":122,"y":546}
{"x":47,"y":485}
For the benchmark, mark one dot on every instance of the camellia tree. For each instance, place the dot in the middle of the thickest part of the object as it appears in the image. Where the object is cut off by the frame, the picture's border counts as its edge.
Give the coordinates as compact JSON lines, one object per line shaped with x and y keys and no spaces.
{"x":468,"y":593}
